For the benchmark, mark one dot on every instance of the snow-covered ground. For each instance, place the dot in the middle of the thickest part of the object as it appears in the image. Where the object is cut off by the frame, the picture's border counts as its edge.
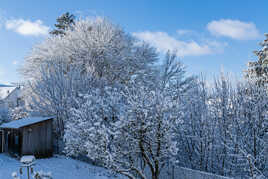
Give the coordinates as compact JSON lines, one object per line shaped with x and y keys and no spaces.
{"x":61,"y":167}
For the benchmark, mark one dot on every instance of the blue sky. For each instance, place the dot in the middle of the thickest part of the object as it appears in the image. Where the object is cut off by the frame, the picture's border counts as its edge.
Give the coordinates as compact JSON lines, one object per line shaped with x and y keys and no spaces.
{"x":209,"y":35}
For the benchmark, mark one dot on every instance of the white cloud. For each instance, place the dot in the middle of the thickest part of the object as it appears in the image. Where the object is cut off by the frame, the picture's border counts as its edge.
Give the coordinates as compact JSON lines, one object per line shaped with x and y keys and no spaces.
{"x":234,"y":29}
{"x":184,"y":31}
{"x":15,"y":62}
{"x":164,"y":42}
{"x":26,"y":27}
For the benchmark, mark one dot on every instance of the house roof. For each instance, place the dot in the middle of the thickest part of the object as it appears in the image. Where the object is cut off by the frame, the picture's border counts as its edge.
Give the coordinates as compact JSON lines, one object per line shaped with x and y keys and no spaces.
{"x":2,"y":85}
{"x":6,"y":91}
{"x":24,"y":122}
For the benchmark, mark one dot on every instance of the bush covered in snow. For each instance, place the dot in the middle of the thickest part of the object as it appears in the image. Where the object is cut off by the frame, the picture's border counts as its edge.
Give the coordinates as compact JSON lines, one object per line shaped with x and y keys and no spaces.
{"x":36,"y":175}
{"x":42,"y":175}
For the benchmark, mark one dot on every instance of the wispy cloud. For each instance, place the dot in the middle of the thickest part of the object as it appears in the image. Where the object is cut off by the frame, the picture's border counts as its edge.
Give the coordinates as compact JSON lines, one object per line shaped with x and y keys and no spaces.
{"x":27,"y":27}
{"x":184,"y":31}
{"x":234,"y":29}
{"x":15,"y":62}
{"x":164,"y":42}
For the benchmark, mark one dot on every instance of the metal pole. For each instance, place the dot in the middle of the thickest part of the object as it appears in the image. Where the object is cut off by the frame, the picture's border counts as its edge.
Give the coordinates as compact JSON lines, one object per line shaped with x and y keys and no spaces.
{"x":28,"y":172}
{"x":3,"y":140}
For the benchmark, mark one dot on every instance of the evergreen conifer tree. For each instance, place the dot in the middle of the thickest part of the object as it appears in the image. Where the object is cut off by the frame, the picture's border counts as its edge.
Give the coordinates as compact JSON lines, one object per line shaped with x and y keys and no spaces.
{"x":258,"y":70}
{"x":64,"y":22}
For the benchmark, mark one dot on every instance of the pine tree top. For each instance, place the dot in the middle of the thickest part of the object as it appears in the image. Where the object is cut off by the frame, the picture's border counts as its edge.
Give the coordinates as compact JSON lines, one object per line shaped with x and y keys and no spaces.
{"x":64,"y":22}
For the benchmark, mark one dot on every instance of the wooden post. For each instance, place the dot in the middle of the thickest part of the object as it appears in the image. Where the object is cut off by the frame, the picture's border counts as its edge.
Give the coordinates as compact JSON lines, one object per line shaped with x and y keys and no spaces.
{"x":28,"y":172}
{"x":27,"y":162}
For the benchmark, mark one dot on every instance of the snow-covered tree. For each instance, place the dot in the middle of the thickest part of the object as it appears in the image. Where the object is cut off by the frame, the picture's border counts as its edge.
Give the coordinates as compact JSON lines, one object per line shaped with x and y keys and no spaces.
{"x":132,"y":129}
{"x":222,"y":111}
{"x":62,"y":67}
{"x":54,"y":92}
{"x":18,"y":113}
{"x":250,"y":130}
{"x":142,"y":132}
{"x":96,"y":45}
{"x":172,"y":75}
{"x":224,"y":129}
{"x":258,"y":70}
{"x":89,"y":124}
{"x":197,"y":129}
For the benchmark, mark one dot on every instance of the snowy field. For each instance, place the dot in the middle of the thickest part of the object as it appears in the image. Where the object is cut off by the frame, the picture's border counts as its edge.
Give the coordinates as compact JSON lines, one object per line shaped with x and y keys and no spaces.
{"x":61,"y":167}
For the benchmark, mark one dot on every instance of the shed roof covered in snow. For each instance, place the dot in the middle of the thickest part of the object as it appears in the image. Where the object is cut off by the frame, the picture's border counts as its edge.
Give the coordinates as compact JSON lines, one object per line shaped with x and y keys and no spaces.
{"x":24,"y":122}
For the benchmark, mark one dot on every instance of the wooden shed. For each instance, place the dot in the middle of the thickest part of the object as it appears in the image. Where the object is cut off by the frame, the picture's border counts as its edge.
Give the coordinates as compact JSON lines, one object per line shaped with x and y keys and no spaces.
{"x":28,"y":136}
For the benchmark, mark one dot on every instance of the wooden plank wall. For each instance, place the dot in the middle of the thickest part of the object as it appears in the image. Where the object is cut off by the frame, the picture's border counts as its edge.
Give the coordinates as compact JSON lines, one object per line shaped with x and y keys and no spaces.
{"x":37,"y":139}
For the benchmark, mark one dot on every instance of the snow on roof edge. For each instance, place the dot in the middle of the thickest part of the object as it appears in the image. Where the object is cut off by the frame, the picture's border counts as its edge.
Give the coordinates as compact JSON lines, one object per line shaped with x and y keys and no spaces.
{"x":6,"y":91}
{"x":24,"y":122}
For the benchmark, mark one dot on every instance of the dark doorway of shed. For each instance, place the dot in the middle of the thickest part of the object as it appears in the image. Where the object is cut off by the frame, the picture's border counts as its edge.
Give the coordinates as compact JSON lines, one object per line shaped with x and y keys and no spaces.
{"x":13,"y":142}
